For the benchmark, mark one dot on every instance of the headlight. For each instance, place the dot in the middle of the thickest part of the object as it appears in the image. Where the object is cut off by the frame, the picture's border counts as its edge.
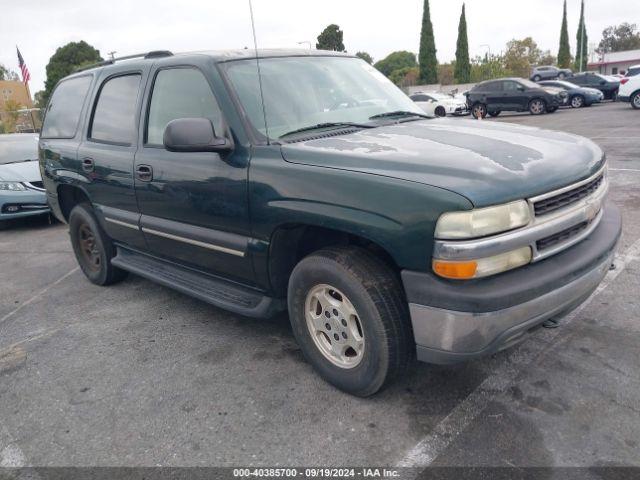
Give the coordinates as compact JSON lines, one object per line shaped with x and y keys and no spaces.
{"x":12,"y":186}
{"x":483,"y":267}
{"x":483,"y":221}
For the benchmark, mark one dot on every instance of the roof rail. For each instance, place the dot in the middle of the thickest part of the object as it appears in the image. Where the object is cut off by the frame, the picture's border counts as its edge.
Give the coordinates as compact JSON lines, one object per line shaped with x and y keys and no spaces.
{"x":111,"y":61}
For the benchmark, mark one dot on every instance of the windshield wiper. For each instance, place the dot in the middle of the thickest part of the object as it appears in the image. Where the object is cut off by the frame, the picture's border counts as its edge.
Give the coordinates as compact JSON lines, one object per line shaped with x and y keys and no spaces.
{"x":398,"y":113}
{"x":328,"y":125}
{"x":20,"y":161}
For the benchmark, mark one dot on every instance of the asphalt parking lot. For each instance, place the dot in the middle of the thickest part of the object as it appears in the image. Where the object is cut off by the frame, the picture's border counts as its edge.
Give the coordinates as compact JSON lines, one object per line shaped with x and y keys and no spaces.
{"x":139,"y":375}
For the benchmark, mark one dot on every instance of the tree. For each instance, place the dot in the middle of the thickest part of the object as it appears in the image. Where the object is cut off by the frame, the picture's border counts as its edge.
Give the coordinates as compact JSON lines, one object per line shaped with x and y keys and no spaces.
{"x":404,"y":77}
{"x":520,"y":56}
{"x":547,"y":58}
{"x":462,"y":71}
{"x":365,"y":56}
{"x":8,"y":74}
{"x":396,"y":61}
{"x":427,"y":55}
{"x":487,"y":67}
{"x":66,"y":60}
{"x":617,"y":38}
{"x":39,"y":99}
{"x":564,"y":51}
{"x":331,"y":39}
{"x":582,"y":49}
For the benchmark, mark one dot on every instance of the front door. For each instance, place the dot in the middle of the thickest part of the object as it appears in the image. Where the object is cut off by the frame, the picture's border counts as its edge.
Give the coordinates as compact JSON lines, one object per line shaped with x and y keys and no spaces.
{"x":194,"y":205}
{"x":514,"y":95}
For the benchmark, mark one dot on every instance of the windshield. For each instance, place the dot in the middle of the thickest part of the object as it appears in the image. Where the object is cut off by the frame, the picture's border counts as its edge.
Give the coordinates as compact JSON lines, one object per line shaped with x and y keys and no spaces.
{"x":528,"y":83}
{"x":18,"y":147}
{"x":303,"y":91}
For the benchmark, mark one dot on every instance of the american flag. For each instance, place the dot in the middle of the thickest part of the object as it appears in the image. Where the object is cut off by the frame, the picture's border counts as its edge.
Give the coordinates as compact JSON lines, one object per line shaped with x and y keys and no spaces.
{"x":23,"y":67}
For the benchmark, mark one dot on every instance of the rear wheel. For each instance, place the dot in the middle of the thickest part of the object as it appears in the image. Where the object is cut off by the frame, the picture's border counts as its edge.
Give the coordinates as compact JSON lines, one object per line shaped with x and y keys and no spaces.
{"x":537,"y":106}
{"x":577,"y":101}
{"x":479,"y":110}
{"x":562,"y":76}
{"x":635,"y":100}
{"x":92,"y":247}
{"x":350,"y":318}
{"x":496,"y":113}
{"x":440,"y":112}
{"x":537,"y":78}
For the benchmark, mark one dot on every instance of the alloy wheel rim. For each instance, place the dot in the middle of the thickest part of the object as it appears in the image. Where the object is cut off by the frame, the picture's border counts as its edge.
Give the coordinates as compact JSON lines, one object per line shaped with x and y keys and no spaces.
{"x":576,"y":102}
{"x":537,"y":107}
{"x":636,"y":100}
{"x":89,"y":247}
{"x":334,"y":326}
{"x":478,"y":111}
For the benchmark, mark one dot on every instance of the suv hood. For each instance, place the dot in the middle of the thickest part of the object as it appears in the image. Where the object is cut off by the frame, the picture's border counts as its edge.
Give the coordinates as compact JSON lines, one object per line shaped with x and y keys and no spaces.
{"x":20,"y":172}
{"x":487,"y":162}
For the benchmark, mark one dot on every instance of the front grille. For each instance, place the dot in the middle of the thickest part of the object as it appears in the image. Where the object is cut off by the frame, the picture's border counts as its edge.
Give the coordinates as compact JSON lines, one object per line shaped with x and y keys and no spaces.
{"x":548,"y":205}
{"x":37,"y":184}
{"x":23,"y":207}
{"x":560,"y":237}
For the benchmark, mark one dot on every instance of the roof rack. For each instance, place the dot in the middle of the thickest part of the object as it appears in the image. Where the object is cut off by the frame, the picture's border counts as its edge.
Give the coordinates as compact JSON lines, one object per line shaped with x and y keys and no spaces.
{"x":111,"y":61}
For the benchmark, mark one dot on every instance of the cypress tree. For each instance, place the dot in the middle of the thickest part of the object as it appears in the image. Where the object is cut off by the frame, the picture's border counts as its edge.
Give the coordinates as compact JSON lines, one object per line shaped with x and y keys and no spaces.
{"x":582,"y":48}
{"x":427,"y":56}
{"x":564,"y":52}
{"x":462,"y":72}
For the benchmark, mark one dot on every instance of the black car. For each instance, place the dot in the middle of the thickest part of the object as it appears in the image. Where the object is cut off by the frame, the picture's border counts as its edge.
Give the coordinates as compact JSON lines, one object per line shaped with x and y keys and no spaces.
{"x":578,"y":96}
{"x":513,"y":94}
{"x":608,"y":86}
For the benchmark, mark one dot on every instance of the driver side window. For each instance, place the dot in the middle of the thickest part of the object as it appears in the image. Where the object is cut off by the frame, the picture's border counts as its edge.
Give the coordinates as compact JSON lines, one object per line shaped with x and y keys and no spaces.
{"x":180,"y":93}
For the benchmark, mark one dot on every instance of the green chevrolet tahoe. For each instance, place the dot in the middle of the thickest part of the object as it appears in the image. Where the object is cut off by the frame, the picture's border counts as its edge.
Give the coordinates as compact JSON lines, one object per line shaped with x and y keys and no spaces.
{"x":304,"y":181}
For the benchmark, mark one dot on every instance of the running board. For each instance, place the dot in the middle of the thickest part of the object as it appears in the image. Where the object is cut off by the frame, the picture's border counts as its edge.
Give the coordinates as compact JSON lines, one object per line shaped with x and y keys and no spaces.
{"x":213,"y":290}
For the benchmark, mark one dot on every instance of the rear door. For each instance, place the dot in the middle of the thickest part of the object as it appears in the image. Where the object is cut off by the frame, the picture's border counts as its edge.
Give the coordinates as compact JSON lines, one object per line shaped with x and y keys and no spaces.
{"x":106,"y":155}
{"x":194,"y":205}
{"x":493,"y":96}
{"x":514,"y":95}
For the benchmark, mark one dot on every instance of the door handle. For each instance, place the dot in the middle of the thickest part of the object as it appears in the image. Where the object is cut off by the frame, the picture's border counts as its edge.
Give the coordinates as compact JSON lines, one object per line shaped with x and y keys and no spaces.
{"x":144,"y":173}
{"x":88,"y":164}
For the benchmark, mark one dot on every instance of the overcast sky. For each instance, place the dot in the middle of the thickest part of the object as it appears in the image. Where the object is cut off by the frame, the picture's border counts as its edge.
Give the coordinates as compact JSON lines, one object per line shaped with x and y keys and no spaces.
{"x":38,"y":27}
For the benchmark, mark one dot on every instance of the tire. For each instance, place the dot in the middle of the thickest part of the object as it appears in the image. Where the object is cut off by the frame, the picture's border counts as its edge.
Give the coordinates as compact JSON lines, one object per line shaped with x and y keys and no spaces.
{"x":635,"y":100}
{"x":561,"y":76}
{"x":537,"y":78}
{"x":537,"y":106}
{"x":92,"y":247}
{"x":361,"y":288}
{"x":479,"y":110}
{"x":440,"y":112}
{"x":495,"y":114}
{"x":577,"y":101}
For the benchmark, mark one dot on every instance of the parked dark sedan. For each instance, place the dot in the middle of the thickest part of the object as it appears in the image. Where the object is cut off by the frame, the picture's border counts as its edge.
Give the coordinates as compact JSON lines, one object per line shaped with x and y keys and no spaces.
{"x":513,"y":94}
{"x":578,"y":96}
{"x":606,"y":85}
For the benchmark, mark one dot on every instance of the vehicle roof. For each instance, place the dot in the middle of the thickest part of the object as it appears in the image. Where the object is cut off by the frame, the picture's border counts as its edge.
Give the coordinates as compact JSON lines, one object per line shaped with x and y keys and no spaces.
{"x":218,"y":56}
{"x":515,"y":79}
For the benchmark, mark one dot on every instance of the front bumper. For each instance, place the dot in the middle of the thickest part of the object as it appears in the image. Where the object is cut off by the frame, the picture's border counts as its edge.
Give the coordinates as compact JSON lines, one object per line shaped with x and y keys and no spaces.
{"x":22,"y":204}
{"x":455,"y":321}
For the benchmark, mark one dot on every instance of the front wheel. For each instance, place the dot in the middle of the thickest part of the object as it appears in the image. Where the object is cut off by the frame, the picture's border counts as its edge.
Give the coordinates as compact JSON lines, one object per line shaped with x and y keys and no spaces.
{"x":577,"y":101}
{"x":537,"y":107}
{"x":537,"y":78}
{"x":440,"y":112}
{"x":92,"y":247}
{"x":479,"y":110}
{"x":562,"y":76}
{"x":635,"y":100}
{"x":350,"y":318}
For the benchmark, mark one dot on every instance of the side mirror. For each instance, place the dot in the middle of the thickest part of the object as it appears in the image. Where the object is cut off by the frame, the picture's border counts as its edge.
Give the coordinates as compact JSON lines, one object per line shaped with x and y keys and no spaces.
{"x":194,"y":135}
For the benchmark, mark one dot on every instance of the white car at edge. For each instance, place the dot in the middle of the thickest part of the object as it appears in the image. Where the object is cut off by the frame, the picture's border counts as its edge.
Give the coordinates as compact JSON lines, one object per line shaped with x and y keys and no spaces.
{"x":630,"y":91}
{"x":439,"y":105}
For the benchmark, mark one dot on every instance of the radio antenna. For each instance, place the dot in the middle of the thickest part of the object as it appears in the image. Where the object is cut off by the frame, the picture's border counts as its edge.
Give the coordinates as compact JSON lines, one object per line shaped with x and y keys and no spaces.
{"x":255,"y":46}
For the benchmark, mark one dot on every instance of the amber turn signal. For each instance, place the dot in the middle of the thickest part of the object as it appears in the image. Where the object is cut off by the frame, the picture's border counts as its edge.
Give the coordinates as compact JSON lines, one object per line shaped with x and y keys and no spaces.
{"x":456,"y":270}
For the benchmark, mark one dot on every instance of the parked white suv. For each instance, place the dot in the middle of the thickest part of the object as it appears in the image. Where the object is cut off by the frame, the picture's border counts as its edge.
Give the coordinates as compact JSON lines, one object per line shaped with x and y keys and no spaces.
{"x":630,"y":91}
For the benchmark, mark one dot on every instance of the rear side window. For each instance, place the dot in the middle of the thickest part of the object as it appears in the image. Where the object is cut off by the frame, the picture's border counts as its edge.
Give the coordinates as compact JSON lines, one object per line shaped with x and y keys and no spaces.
{"x":115,"y":110}
{"x":180,"y":93}
{"x":490,"y":87}
{"x":63,"y":112}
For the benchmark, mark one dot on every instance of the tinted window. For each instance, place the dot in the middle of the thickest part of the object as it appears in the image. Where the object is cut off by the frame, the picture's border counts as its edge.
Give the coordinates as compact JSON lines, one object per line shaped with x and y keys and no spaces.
{"x":63,"y":111}
{"x":488,"y":87}
{"x":114,"y":116}
{"x":633,"y":71}
{"x":180,"y":93}
{"x":510,"y":86}
{"x":419,"y":98}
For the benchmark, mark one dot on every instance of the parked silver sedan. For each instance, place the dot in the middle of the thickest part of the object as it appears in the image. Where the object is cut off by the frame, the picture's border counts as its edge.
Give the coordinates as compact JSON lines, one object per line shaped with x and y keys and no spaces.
{"x":21,"y":190}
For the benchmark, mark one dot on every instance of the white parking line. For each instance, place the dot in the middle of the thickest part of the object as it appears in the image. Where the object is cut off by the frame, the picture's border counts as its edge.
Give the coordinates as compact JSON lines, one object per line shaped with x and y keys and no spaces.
{"x":624,"y":169}
{"x":445,"y":432}
{"x":38,"y":295}
{"x":12,"y":457}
